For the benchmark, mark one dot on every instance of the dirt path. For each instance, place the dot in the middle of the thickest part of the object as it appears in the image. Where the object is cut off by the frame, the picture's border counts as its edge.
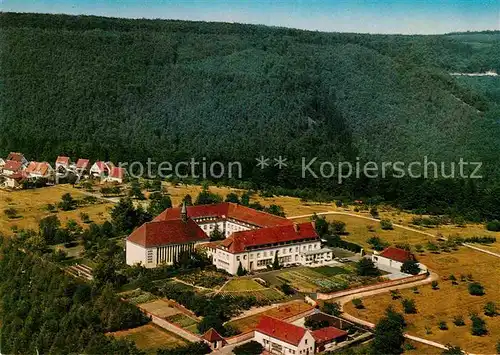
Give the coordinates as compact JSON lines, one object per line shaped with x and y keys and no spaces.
{"x":482,"y":250}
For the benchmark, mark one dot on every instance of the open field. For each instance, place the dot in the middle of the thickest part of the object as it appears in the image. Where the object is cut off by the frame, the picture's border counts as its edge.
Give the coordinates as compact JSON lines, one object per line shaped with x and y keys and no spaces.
{"x":31,"y":207}
{"x":448,"y":301}
{"x":281,"y":312}
{"x":242,"y":285}
{"x":150,"y":338}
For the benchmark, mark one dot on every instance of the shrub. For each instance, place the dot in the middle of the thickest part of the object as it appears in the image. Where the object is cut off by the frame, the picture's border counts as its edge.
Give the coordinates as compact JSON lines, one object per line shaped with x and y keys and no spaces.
{"x":358,"y":303}
{"x":409,"y":347}
{"x":490,"y":309}
{"x":434,"y":285}
{"x":493,"y":226}
{"x":442,"y":325}
{"x":251,"y":348}
{"x":377,"y":244}
{"x":409,"y":306}
{"x":10,"y":212}
{"x":476,"y":289}
{"x":415,"y":290}
{"x":332,"y":308}
{"x":386,"y":224}
{"x":458,"y":321}
{"x":419,"y":248}
{"x":452,"y":350}
{"x":478,"y":326}
{"x":85,"y":217}
{"x":395,"y":294}
{"x":410,"y":267}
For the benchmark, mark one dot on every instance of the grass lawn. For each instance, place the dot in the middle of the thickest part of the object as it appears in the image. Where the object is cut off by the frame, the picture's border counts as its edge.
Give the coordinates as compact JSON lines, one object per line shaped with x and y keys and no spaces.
{"x":442,"y":305}
{"x":150,"y":338}
{"x":238,"y":285}
{"x":281,"y":312}
{"x":31,"y":207}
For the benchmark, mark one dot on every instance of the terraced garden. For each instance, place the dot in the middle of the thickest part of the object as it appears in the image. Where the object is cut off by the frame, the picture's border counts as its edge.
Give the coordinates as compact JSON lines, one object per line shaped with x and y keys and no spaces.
{"x":184,"y":321}
{"x":204,"y":278}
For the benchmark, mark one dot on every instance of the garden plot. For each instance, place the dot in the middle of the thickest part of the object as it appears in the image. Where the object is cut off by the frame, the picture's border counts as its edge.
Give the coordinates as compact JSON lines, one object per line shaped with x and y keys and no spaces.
{"x":160,"y":308}
{"x":138,"y":296}
{"x":204,"y":278}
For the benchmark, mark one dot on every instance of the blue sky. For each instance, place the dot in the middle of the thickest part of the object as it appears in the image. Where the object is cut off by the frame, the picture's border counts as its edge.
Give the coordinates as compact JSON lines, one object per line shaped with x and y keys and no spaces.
{"x":375,"y":16}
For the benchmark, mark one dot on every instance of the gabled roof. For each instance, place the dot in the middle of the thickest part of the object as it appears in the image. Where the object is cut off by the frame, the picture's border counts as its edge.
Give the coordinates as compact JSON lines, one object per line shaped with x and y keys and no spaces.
{"x":19,"y":157}
{"x":158,"y":233}
{"x":117,"y":173}
{"x":38,"y":168}
{"x":12,"y":165}
{"x":240,"y":241}
{"x":101,"y":166}
{"x":82,"y":163}
{"x":227,"y":210}
{"x":397,"y":254}
{"x":62,"y":160}
{"x":212,"y":336}
{"x":327,"y":334}
{"x":281,"y":330}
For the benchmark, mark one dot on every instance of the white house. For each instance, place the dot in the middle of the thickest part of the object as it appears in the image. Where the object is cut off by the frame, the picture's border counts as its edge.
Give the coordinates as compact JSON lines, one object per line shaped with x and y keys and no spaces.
{"x":81,"y":167}
{"x":279,"y":337}
{"x":12,"y":167}
{"x":2,"y":164}
{"x":18,"y":157}
{"x":257,"y":249}
{"x":214,"y":339}
{"x":159,"y":243}
{"x":99,"y":169}
{"x":393,"y":258}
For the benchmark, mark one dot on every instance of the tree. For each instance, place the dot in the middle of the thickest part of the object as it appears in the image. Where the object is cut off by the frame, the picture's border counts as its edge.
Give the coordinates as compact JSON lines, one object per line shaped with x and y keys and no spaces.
{"x":409,"y":306}
{"x":389,"y":338}
{"x":493,"y":226}
{"x":11,"y":212}
{"x":366,"y":267}
{"x":199,"y":348}
{"x":442,"y":325}
{"x":67,"y":203}
{"x":452,"y":350}
{"x":232,"y":197}
{"x":159,"y":203}
{"x":490,"y":309}
{"x":478,"y":326}
{"x":85,"y":218}
{"x":476,"y":289}
{"x":374,"y":212}
{"x":125,"y":217}
{"x":245,"y":198}
{"x":241,"y":271}
{"x":332,"y":308}
{"x":188,"y":200}
{"x":434,"y":285}
{"x":251,"y":348}
{"x":216,"y":234}
{"x":458,"y":321}
{"x":276,"y":210}
{"x":410,"y":267}
{"x":205,"y":197}
{"x":135,"y":190}
{"x":287,"y":289}
{"x":276,"y":262}
{"x":337,"y":227}
{"x":48,"y":227}
{"x":321,"y":225}
{"x":386,"y":224}
{"x":315,"y":324}
{"x":358,"y":303}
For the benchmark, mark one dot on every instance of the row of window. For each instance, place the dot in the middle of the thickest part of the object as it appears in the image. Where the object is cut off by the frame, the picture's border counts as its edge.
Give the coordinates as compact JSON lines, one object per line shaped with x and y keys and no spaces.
{"x":281,"y":252}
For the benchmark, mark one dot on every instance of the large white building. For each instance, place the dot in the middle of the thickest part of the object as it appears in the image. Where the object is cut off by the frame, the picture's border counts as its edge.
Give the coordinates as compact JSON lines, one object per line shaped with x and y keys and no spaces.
{"x":253,"y":238}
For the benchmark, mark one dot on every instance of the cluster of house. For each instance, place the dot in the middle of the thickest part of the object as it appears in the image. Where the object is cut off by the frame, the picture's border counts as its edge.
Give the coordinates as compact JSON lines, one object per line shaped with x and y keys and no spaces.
{"x":254,"y":239}
{"x":16,"y":169}
{"x":279,"y":337}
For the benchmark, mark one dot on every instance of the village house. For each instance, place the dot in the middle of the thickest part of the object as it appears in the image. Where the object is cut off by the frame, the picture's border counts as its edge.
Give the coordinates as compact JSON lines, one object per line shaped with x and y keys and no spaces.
{"x":39,"y":170}
{"x":393,"y":258}
{"x":82,"y":166}
{"x":328,"y":337}
{"x":116,"y":175}
{"x":2,"y":164}
{"x":18,"y":157}
{"x":214,"y":339}
{"x":99,"y":169}
{"x":280,"y":337}
{"x":12,"y":167}
{"x":62,"y":165}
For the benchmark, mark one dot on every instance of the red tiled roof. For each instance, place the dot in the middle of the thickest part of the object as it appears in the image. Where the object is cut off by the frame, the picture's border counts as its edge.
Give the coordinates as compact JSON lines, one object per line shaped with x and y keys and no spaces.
{"x":117,"y":173}
{"x":17,"y":176}
{"x":327,"y":334}
{"x":239,"y":241}
{"x":101,"y":166}
{"x":15,"y":157}
{"x":397,"y":254}
{"x":212,"y":336}
{"x":62,"y":160}
{"x":228,"y":210}
{"x":82,"y":163}
{"x":281,"y":330}
{"x":38,"y":168}
{"x":12,"y":165}
{"x":174,"y":231}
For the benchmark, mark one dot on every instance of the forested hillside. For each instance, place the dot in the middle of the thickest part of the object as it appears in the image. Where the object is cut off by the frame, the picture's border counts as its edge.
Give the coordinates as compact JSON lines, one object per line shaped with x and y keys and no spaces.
{"x":127,"y":90}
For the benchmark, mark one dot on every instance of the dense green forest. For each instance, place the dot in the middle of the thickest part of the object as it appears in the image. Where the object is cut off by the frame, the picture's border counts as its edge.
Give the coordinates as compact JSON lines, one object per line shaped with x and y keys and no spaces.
{"x":128,"y":90}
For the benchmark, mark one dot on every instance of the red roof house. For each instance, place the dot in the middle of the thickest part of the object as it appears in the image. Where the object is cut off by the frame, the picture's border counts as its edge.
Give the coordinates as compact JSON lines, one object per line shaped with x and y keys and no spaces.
{"x":99,"y":168}
{"x":18,"y":157}
{"x":161,"y":233}
{"x":329,"y":335}
{"x":271,"y":331}
{"x":62,"y":161}
{"x":38,"y":169}
{"x":82,"y":164}
{"x":227,"y":210}
{"x":215,"y":340}
{"x":12,"y":166}
{"x":397,"y":254}
{"x":116,"y":174}
{"x":239,"y":242}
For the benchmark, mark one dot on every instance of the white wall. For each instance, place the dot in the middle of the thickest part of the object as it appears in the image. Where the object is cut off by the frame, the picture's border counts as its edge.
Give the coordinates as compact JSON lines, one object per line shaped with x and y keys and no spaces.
{"x":306,"y":344}
{"x":134,"y":253}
